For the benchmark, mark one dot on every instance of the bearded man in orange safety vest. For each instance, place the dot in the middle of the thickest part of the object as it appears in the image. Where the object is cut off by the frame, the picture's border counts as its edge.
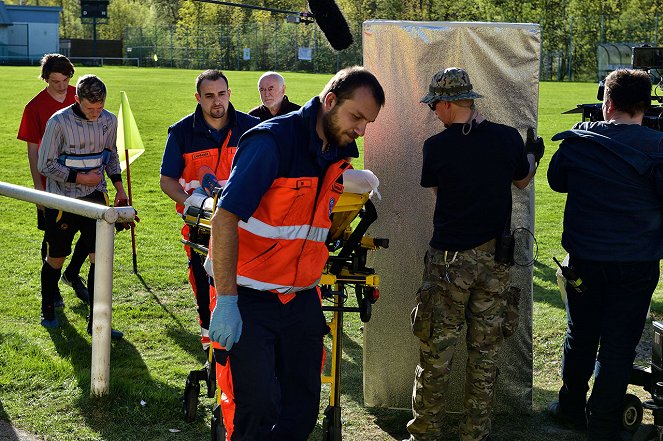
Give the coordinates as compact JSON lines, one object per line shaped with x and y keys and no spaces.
{"x":268,"y":253}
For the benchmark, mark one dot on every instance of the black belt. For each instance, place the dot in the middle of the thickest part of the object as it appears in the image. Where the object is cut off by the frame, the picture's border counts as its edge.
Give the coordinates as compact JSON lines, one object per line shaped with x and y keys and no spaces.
{"x":488,"y":246}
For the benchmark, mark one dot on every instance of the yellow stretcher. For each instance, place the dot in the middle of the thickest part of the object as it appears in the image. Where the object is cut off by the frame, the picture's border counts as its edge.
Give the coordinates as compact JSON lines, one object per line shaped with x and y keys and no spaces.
{"x":348,"y":246}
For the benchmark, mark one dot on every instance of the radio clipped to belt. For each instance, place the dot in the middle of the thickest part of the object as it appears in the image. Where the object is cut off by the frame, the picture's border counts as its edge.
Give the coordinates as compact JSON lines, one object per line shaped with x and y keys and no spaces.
{"x":570,"y":275}
{"x":505,"y":245}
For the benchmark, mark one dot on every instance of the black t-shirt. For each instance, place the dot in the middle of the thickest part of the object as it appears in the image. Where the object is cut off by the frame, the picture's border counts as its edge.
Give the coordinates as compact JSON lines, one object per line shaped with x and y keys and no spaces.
{"x":473,"y":175}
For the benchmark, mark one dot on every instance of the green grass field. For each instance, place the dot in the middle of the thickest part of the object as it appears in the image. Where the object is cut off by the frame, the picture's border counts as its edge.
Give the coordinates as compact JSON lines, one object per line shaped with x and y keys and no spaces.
{"x":45,"y":376}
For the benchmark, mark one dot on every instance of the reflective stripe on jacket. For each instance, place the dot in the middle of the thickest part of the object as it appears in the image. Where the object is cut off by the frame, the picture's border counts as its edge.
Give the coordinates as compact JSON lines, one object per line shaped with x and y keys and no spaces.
{"x":194,"y":143}
{"x":197,"y":164}
{"x":282,"y":246}
{"x":216,"y":160}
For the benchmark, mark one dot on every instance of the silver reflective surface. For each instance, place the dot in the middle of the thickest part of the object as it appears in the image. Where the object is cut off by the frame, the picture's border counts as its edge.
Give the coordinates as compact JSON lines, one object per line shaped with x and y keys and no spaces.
{"x":502,"y":60}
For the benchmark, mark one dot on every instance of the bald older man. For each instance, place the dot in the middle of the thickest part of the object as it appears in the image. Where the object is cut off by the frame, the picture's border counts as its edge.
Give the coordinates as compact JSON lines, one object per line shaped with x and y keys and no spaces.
{"x":271,"y":86}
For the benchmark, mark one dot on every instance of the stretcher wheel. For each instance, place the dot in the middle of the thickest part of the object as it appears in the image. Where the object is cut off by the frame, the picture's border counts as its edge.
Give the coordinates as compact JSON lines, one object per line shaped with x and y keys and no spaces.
{"x":631,"y":413}
{"x":358,"y":262}
{"x":210,"y":378}
{"x":331,"y":424}
{"x":365,"y":309}
{"x":190,"y":400}
{"x":646,"y":432}
{"x":218,"y":429}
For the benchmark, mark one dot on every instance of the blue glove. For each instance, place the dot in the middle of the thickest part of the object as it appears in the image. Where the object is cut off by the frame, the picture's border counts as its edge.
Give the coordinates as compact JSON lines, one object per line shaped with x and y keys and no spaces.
{"x":225,"y":326}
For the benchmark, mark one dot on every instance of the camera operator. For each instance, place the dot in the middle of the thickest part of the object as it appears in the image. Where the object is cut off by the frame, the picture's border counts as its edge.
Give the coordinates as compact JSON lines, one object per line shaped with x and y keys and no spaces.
{"x":613,"y":231}
{"x":470,"y":167}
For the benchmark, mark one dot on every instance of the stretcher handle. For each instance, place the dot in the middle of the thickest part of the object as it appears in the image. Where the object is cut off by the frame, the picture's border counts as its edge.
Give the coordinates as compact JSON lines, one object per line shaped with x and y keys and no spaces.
{"x":353,"y":244}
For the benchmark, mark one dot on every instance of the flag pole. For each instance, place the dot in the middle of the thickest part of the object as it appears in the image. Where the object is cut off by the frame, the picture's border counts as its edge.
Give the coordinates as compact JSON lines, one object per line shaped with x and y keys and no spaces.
{"x":130,"y":139}
{"x":133,"y":225}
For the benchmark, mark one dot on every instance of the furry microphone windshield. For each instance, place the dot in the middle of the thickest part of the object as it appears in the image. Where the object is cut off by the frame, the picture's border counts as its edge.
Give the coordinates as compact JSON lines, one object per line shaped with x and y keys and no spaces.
{"x":332,"y":23}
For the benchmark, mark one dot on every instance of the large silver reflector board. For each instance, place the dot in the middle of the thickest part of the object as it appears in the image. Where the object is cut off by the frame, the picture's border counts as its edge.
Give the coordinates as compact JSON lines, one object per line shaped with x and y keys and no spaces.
{"x":502,"y":60}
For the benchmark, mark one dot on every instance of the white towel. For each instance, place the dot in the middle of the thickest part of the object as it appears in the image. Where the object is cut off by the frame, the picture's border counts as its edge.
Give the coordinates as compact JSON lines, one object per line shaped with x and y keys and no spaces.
{"x":361,"y":181}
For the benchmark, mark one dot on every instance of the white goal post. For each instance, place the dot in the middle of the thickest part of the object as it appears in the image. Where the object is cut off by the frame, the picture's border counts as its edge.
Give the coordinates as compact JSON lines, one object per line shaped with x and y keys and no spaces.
{"x":103,"y":272}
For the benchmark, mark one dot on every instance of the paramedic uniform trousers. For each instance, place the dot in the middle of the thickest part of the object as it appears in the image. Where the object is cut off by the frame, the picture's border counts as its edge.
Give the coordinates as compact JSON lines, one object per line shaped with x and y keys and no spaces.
{"x":275,"y":366}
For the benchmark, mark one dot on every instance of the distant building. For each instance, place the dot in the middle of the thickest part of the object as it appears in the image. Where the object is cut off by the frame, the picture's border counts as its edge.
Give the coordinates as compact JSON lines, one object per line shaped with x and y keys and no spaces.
{"x":28,"y":32}
{"x":613,"y":56}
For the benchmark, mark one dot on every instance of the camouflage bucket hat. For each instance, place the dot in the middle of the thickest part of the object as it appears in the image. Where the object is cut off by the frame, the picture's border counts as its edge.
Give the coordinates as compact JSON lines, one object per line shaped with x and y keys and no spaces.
{"x":450,"y":84}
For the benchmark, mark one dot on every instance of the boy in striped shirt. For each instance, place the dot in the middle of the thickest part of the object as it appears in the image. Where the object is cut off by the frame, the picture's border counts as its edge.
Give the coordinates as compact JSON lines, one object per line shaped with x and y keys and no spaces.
{"x":77,"y":148}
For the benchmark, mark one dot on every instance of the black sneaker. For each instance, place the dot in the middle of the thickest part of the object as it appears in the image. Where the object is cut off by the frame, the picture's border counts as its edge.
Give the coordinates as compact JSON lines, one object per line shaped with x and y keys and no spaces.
{"x":575,"y":422}
{"x":115,"y":335}
{"x":80,"y":289}
{"x":50,"y":324}
{"x":48,"y":319}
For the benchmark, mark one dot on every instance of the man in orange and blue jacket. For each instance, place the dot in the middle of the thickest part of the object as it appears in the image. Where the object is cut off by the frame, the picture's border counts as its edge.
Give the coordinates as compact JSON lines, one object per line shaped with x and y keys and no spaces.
{"x":202,"y":143}
{"x":268,"y":252}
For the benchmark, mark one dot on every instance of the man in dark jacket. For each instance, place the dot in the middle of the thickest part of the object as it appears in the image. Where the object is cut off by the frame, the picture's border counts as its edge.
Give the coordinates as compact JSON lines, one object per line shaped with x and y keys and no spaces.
{"x":271,"y":86}
{"x":613,"y":231}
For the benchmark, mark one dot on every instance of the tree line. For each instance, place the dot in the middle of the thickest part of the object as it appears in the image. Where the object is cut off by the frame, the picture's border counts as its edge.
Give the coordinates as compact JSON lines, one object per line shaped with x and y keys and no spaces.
{"x":571,"y":29}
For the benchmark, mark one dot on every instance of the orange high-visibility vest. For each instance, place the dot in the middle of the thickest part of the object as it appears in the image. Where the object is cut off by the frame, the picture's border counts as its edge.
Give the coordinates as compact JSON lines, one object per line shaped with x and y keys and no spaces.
{"x":218,"y":160}
{"x":282,"y":246}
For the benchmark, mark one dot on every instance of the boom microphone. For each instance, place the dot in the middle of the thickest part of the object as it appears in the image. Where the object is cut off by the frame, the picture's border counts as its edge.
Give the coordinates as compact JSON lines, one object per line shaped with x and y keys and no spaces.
{"x":326,"y":13}
{"x":332,"y":23}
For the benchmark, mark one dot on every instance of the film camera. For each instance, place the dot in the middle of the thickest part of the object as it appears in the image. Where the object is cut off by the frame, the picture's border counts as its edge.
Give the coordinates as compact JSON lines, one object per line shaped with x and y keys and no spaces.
{"x":651,"y":380}
{"x":646,"y":58}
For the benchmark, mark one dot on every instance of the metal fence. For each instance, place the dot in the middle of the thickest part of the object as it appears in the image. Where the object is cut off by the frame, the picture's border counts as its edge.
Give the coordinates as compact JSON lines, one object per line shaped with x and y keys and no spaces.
{"x":105,"y":61}
{"x":568,"y":48}
{"x":274,"y":45}
{"x":571,"y":45}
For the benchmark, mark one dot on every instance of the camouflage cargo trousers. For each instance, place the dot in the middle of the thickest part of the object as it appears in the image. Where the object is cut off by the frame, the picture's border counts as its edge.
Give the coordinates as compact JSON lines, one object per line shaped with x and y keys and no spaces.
{"x":467,"y":287}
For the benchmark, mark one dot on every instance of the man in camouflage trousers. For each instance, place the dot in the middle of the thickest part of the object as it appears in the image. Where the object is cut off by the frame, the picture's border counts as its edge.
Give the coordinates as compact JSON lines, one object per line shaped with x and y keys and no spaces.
{"x":473,"y":163}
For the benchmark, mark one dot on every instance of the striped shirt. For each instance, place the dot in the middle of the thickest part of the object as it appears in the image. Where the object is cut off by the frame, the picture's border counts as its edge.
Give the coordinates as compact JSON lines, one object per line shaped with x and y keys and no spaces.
{"x":67,"y":133}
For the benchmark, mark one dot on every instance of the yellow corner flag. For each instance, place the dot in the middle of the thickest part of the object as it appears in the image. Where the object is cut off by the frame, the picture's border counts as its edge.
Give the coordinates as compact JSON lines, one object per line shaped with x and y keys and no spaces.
{"x":129,"y":145}
{"x":128,"y":137}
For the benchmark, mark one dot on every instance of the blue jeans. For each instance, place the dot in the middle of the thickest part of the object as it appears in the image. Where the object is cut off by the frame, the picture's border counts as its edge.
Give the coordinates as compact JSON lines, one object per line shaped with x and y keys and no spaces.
{"x":609,"y":319}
